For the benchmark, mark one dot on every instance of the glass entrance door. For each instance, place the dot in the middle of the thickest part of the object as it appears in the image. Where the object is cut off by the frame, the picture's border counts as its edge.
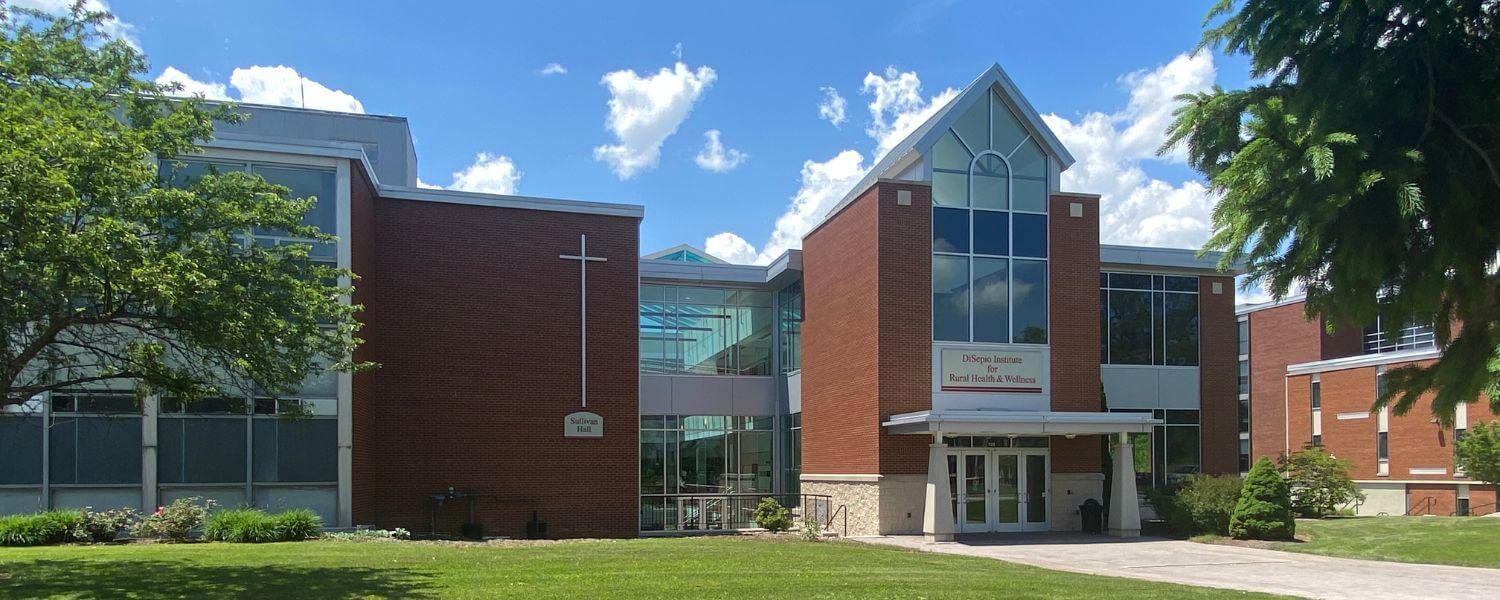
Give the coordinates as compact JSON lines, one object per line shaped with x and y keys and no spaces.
{"x":999,"y":490}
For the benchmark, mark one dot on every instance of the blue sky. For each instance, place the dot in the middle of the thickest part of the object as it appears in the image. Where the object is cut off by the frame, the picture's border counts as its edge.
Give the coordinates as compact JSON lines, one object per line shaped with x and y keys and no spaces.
{"x":469,"y":78}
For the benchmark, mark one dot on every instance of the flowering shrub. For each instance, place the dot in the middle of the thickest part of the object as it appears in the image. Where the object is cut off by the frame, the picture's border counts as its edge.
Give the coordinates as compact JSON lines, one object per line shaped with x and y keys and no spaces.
{"x":175,"y":521}
{"x":103,"y":526}
{"x":370,"y":534}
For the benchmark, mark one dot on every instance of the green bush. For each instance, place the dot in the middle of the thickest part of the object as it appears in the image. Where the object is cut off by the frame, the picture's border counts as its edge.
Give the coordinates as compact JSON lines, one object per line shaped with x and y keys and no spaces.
{"x":298,"y":524}
{"x":1200,"y":504}
{"x":369,"y":534}
{"x":104,"y":526}
{"x":254,"y":526}
{"x":772,"y":516}
{"x":40,"y":529}
{"x":176,"y":521}
{"x":1319,"y":483}
{"x":1264,"y":511}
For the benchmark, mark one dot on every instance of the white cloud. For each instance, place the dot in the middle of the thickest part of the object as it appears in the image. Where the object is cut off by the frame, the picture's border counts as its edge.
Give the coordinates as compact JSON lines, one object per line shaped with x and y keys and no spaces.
{"x":283,"y":86}
{"x":190,"y":86}
{"x":730,"y":247}
{"x":645,"y":111}
{"x":114,"y":28}
{"x":823,"y":185}
{"x":832,"y":107}
{"x":279,"y":85}
{"x":553,"y":69}
{"x":1110,"y":148}
{"x":490,"y":174}
{"x":715,"y":157}
{"x":897,"y":107}
{"x":427,"y":186}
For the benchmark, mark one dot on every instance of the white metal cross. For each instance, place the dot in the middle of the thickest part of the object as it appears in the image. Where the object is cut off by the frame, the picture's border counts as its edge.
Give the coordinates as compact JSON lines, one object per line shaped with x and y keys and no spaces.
{"x":583,"y":259}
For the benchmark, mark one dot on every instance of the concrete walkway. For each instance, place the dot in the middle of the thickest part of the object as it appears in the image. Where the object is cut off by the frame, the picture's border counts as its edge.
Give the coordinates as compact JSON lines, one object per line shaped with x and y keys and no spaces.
{"x":1210,"y":565}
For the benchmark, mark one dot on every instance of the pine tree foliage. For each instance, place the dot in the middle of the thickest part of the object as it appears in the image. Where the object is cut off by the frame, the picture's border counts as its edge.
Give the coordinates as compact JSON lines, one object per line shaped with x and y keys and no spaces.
{"x":1364,"y":163}
{"x":1264,"y":511}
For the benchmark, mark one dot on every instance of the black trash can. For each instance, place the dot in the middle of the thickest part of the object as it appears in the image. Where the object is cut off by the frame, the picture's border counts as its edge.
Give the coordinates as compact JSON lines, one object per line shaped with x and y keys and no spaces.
{"x":1093,"y":516}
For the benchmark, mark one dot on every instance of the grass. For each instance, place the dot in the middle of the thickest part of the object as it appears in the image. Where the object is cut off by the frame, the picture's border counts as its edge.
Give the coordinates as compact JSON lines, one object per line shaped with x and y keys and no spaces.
{"x":723,"y":567}
{"x":1462,"y":541}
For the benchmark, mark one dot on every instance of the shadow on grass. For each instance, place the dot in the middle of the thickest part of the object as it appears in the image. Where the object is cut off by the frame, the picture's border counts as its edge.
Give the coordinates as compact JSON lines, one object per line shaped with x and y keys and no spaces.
{"x":182,"y":579}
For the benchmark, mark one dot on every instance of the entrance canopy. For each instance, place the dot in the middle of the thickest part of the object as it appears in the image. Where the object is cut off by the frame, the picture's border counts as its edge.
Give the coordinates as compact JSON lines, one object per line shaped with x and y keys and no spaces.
{"x":1015,"y":422}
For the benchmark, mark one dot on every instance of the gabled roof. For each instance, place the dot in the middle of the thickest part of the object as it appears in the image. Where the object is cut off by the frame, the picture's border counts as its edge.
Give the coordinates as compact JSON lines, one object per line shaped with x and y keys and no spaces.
{"x":901,"y":155}
{"x":683,"y":252}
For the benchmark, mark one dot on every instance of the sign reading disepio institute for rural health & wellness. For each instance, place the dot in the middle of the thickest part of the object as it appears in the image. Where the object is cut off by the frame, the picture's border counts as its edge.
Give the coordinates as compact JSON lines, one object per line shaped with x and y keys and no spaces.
{"x":1009,"y":370}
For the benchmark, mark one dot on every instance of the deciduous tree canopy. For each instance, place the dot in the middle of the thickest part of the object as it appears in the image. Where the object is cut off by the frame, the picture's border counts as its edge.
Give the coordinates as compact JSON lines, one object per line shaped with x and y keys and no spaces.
{"x":109,"y":276}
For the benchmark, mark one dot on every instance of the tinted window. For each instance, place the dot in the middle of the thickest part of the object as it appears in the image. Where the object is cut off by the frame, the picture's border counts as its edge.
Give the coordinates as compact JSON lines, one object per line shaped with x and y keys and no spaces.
{"x":1129,"y":327}
{"x":950,"y":230}
{"x":991,"y":232}
{"x":950,"y":298}
{"x":1030,"y":297}
{"x":1031,"y":235}
{"x":991,"y":300}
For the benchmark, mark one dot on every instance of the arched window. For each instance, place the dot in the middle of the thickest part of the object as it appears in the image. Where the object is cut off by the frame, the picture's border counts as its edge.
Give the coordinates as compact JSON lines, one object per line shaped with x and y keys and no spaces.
{"x":989,"y":229}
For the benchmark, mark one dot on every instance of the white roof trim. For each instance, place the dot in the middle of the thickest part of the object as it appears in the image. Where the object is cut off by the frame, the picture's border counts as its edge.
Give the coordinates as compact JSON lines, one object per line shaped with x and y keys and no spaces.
{"x":503,"y":201}
{"x":1111,"y":255}
{"x":1363,"y":360}
{"x":1245,"y":309}
{"x":685,"y":247}
{"x":1012,"y":422}
{"x":356,"y":152}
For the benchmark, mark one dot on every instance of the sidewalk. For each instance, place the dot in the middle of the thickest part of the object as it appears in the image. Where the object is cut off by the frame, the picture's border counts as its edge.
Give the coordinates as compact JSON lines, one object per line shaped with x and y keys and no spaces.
{"x":1230,"y":567}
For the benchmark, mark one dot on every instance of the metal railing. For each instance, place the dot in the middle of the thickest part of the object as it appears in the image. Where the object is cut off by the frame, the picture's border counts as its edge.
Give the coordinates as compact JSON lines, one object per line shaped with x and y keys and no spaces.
{"x":1423,"y":507}
{"x":696,"y":513}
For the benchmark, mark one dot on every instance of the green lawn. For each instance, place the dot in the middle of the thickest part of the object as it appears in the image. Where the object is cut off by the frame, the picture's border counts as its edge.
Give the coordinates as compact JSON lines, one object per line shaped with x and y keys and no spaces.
{"x":692,"y":567}
{"x":1463,"y":541}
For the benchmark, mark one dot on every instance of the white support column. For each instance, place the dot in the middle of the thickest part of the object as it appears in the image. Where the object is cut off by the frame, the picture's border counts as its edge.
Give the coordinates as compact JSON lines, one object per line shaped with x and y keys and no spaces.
{"x":937,"y":511}
{"x":150,"y":408}
{"x":1124,"y":506}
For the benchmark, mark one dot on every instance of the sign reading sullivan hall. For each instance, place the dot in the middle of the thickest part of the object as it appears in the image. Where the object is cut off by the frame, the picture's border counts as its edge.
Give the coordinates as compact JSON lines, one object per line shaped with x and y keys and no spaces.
{"x":1003,"y":370}
{"x":583,"y":424}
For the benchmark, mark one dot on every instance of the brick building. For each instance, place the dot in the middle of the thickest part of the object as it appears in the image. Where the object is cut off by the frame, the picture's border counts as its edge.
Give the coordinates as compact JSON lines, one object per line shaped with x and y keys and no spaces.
{"x":953,"y":351}
{"x":1301,"y":385}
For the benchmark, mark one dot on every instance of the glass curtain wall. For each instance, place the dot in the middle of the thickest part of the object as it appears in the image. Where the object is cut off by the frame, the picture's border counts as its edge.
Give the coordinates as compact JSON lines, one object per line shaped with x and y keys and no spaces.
{"x":1171,"y":452}
{"x":700,"y":454}
{"x":705,"y":331}
{"x":790,"y":321}
{"x":989,"y":230}
{"x":1148,"y":319}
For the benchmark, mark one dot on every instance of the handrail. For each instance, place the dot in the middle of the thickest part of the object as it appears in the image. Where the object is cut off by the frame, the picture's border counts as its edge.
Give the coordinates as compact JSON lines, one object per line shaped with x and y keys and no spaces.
{"x":1474,"y":510}
{"x":1423,"y":507}
{"x":842,"y":510}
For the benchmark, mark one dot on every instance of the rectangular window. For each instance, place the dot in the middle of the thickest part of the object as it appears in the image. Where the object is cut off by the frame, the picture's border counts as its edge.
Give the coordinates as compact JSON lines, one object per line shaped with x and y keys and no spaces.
{"x":991,"y":233}
{"x":1317,"y":440}
{"x":790,"y":321}
{"x":1030,"y":235}
{"x":1244,"y":378}
{"x":295,"y":450}
{"x":950,"y":298}
{"x":21,"y":449}
{"x":950,"y":230}
{"x":1029,"y":297}
{"x":1382,"y":446}
{"x":1149,"y":319}
{"x":708,"y":331}
{"x":201,"y":449}
{"x":95,"y":450}
{"x":992,"y":299}
{"x":1244,"y":337}
{"x":1129,"y":327}
{"x":1316,"y":392}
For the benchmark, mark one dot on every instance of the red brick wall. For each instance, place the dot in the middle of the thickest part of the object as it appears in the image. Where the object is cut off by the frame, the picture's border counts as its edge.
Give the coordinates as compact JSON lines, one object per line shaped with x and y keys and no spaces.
{"x":840,"y":342}
{"x":362,"y":262}
{"x":1279,"y":336}
{"x":1443,"y":498}
{"x":905,"y":320}
{"x":474,"y":322}
{"x":1073,"y":308}
{"x":1218,"y":371}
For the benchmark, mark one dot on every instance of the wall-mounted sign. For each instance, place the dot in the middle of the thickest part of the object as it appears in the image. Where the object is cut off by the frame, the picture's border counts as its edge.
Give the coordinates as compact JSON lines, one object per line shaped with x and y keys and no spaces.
{"x":1004,"y":370}
{"x":583,"y":424}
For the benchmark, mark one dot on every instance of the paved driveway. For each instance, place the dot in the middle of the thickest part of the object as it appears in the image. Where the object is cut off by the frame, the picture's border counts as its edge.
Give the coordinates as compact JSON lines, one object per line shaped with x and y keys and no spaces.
{"x":1220,"y":566}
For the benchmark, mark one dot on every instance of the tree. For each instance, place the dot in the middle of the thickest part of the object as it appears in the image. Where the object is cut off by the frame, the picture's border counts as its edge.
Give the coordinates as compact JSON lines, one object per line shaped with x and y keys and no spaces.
{"x":1478,"y":452}
{"x":1319,"y":482}
{"x":110,"y":276}
{"x":1264,"y":511}
{"x":1364,"y":163}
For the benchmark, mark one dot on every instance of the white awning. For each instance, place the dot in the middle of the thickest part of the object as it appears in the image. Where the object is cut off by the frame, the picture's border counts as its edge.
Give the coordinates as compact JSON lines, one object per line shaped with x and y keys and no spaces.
{"x":1015,"y":422}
